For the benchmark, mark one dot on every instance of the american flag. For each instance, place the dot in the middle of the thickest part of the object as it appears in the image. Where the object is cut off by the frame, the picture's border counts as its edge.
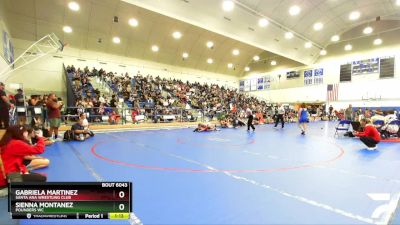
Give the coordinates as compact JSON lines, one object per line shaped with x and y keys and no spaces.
{"x":332,"y":92}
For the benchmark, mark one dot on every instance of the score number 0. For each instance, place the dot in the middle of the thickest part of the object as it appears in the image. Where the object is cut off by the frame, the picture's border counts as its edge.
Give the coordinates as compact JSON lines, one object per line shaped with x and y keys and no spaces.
{"x":121,"y":195}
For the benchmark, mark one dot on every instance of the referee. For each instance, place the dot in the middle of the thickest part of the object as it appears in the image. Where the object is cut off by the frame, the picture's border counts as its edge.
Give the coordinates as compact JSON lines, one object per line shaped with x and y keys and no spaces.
{"x":279,"y":116}
{"x":249,"y":114}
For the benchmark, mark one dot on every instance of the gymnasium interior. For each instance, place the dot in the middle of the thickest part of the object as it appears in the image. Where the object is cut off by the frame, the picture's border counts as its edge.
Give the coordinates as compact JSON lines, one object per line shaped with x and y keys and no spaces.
{"x":217,"y":111}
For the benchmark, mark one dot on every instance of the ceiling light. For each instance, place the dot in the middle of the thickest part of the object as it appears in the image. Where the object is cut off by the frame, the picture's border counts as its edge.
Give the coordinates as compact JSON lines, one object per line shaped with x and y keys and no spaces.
{"x":116,"y":40}
{"x":263,"y":22}
{"x":256,"y":58}
{"x":133,"y":22}
{"x":73,"y":6}
{"x":318,"y":26}
{"x":185,"y":55}
{"x":354,"y":15}
{"x":308,"y":45}
{"x":154,"y":48}
{"x":377,"y":41}
{"x":273,"y":63}
{"x":230,"y":65}
{"x":348,"y":47}
{"x":247,"y":69}
{"x":335,"y":38}
{"x":323,"y":52}
{"x":177,"y":35}
{"x":228,"y":5}
{"x":235,"y":52}
{"x":210,"y":60}
{"x":67,"y":29}
{"x":368,"y":30}
{"x":294,"y":10}
{"x":288,"y":35}
{"x":210,"y":44}
{"x":398,"y":2}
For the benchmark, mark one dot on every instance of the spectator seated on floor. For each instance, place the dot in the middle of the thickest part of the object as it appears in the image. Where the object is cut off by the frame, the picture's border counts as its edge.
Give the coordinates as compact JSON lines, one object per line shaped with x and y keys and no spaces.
{"x":114,"y":117}
{"x":134,"y":113}
{"x":339,"y":115}
{"x":390,"y":129}
{"x":79,"y":131}
{"x":390,"y":116}
{"x":226,"y":123}
{"x":260,"y":118}
{"x":33,"y":162}
{"x":378,"y":116}
{"x":45,"y":133}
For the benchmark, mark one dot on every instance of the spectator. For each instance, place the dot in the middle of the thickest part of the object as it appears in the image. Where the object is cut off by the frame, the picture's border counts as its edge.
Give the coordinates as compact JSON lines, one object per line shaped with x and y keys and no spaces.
{"x":279,"y":116}
{"x":5,"y":106}
{"x":378,"y":116}
{"x":14,"y":149}
{"x":33,"y":162}
{"x":348,"y":113}
{"x":54,"y":114}
{"x":390,"y":116}
{"x":20,"y":103}
{"x":370,"y":136}
{"x":330,"y":113}
{"x":80,"y":133}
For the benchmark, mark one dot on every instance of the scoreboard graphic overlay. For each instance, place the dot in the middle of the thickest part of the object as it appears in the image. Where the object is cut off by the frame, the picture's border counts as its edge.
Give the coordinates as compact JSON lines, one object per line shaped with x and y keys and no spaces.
{"x":70,"y":200}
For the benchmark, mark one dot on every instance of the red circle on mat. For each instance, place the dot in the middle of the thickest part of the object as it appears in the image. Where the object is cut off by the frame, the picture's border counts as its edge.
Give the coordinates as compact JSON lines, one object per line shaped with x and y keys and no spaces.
{"x":189,"y":170}
{"x":182,"y":141}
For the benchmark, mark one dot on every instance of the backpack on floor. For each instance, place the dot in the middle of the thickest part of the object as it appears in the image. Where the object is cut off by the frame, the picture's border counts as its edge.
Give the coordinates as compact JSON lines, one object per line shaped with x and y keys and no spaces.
{"x":68,"y":135}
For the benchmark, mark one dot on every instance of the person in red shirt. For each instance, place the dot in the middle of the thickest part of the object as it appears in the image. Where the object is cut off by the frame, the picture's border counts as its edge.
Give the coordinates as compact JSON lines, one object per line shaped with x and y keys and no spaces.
{"x":370,"y":136}
{"x":3,"y":176}
{"x":134,"y":114}
{"x":14,"y":148}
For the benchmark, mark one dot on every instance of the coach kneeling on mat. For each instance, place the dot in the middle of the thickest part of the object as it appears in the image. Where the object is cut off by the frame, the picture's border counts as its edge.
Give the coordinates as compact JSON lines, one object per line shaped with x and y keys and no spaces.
{"x":80,"y":132}
{"x":370,"y":137}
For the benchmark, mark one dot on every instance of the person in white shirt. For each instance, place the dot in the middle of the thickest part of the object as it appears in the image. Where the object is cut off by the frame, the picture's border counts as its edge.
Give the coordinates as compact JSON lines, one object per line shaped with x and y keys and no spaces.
{"x":102,"y":100}
{"x":85,"y":122}
{"x":390,"y":117}
{"x":279,"y":116}
{"x":378,"y":116}
{"x":250,"y":117}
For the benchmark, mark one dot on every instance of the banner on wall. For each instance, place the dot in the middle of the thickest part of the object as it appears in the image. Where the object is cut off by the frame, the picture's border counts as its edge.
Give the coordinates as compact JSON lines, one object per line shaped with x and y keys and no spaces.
{"x":308,"y":77}
{"x":241,"y":85}
{"x":267,"y":82}
{"x":247,"y":85}
{"x":260,"y":84}
{"x":253,"y":84}
{"x":319,"y":76}
{"x":8,"y":48}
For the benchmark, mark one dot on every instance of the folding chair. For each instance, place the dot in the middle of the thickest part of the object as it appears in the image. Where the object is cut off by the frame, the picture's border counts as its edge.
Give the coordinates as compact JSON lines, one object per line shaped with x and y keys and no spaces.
{"x":344,"y":125}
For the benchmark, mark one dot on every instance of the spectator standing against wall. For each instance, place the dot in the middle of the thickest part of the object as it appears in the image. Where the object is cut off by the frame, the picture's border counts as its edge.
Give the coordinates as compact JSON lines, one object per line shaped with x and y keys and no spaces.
{"x":5,"y":106}
{"x":20,"y":103}
{"x":54,"y":114}
{"x":330,"y":113}
{"x":348,"y":113}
